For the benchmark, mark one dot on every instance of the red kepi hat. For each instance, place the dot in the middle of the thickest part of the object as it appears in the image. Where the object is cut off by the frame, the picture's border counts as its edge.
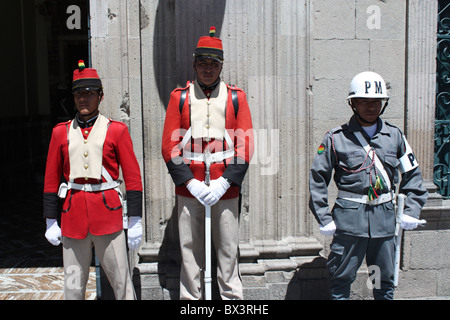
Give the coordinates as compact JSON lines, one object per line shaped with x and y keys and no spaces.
{"x":85,"y":78}
{"x":209,"y":47}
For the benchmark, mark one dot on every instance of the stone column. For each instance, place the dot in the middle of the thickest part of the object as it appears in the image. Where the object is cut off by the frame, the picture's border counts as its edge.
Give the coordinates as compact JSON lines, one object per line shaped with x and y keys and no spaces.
{"x":278,"y":78}
{"x":116,"y":51}
{"x":421,"y":88}
{"x":266,"y":54}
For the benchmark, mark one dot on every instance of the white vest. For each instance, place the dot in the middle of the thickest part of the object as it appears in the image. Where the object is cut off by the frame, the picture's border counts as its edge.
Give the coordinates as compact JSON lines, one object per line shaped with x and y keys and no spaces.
{"x":208,"y":116}
{"x":85,"y":156}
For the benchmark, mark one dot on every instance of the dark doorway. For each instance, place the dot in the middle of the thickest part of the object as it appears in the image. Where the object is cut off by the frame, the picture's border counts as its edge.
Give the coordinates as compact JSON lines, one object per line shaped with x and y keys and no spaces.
{"x":44,"y":40}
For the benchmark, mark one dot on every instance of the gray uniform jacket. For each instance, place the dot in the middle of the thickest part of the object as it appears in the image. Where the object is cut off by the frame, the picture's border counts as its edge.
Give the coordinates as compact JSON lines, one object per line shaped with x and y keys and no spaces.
{"x":354,"y":218}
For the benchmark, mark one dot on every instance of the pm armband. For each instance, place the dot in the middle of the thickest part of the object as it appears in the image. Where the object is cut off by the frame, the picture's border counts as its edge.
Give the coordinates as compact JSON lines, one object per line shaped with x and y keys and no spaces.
{"x":408,"y":161}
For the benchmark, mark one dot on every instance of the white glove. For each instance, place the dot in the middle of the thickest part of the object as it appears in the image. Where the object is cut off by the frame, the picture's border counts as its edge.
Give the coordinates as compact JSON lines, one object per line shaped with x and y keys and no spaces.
{"x":53,"y":233}
{"x":409,"y":223}
{"x":329,"y":229}
{"x":134,"y":232}
{"x":217,"y":188}
{"x":199,"y":190}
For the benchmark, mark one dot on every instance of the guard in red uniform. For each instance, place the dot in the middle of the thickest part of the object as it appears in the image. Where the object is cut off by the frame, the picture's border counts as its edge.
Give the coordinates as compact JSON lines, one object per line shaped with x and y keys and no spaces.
{"x":208,"y":117}
{"x":87,"y":152}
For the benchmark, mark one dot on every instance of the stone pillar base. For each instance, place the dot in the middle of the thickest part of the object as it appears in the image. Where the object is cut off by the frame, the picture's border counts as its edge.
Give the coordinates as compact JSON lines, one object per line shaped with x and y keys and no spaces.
{"x":283,"y":270}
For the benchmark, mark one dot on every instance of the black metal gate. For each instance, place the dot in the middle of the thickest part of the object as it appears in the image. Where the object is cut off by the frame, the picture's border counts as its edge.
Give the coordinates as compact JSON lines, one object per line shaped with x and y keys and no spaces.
{"x":442,"y":122}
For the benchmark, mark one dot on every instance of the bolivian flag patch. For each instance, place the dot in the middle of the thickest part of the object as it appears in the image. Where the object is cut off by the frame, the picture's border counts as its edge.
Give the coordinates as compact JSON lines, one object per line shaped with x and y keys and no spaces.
{"x":321,"y":149}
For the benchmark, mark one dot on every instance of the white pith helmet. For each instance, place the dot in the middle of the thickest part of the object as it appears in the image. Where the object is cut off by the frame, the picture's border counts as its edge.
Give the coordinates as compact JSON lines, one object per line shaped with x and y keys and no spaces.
{"x":368,"y":84}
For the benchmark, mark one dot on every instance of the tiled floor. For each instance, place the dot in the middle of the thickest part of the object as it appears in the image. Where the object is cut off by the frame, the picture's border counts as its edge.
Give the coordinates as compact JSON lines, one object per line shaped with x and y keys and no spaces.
{"x":30,"y":267}
{"x":37,"y":283}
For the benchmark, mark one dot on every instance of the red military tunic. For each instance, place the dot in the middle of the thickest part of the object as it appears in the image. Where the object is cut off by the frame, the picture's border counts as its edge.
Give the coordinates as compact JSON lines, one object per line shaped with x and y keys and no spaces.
{"x":100,"y":212}
{"x":239,"y":127}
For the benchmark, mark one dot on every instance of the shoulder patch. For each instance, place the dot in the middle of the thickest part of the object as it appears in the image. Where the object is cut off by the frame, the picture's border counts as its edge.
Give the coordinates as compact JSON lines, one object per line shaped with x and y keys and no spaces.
{"x":321,"y":149}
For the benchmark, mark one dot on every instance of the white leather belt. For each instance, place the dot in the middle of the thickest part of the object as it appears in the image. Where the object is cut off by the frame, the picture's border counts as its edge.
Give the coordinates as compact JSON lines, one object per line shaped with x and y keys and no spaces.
{"x":213,"y":157}
{"x":364,"y":199}
{"x":91,"y":187}
{"x":95,"y":187}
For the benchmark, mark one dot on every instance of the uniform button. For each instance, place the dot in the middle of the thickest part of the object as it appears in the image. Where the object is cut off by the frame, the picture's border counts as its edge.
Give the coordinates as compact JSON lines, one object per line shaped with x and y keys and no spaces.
{"x":85,"y":154}
{"x":86,"y":166}
{"x":86,"y":178}
{"x":207,"y":126}
{"x":208,"y":115}
{"x":208,"y":103}
{"x":86,"y":132}
{"x":85,"y":141}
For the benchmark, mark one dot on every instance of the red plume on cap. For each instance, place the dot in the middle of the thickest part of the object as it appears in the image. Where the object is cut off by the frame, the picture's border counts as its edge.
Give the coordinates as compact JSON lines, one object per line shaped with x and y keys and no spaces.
{"x":209,"y":47}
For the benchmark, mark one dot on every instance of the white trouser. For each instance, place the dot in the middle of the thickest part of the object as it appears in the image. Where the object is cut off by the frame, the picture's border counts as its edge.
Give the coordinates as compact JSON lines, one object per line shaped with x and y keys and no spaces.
{"x":225,"y":236}
{"x":112,"y":254}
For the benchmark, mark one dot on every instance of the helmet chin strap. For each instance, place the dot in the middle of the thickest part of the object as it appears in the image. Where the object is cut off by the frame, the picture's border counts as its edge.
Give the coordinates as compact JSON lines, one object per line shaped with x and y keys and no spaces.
{"x":364,"y":120}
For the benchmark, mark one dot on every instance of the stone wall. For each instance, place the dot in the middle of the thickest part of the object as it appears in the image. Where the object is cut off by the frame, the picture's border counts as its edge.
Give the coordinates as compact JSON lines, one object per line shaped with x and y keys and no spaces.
{"x":295,"y":60}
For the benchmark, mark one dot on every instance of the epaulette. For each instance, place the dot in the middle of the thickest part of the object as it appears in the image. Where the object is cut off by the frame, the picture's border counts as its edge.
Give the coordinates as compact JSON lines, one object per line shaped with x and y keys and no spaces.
{"x":393,"y":126}
{"x":233,"y":87}
{"x":234,"y":97}
{"x":334,"y":130}
{"x":110,"y":121}
{"x":183,"y":88}
{"x":183,"y":95}
{"x":390,"y":124}
{"x":63,"y":123}
{"x":180,"y":89}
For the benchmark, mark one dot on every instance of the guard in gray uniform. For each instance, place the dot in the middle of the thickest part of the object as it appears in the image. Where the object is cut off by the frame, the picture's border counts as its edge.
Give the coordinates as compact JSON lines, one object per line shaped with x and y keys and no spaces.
{"x":366,"y":155}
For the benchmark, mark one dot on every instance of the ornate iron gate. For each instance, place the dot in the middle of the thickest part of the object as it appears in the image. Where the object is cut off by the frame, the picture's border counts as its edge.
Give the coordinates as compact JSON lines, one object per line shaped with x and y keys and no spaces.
{"x":442,"y":123}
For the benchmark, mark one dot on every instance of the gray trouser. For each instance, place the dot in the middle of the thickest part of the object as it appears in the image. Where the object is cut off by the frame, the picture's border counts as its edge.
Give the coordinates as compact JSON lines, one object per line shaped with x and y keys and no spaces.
{"x":225,"y":236}
{"x":347,"y":255}
{"x":111,"y":252}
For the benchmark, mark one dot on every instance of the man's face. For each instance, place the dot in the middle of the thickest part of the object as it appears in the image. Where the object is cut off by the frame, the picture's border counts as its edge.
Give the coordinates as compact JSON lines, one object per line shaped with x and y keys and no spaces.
{"x":368,"y":108}
{"x":86,"y":101}
{"x":208,"y":70}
